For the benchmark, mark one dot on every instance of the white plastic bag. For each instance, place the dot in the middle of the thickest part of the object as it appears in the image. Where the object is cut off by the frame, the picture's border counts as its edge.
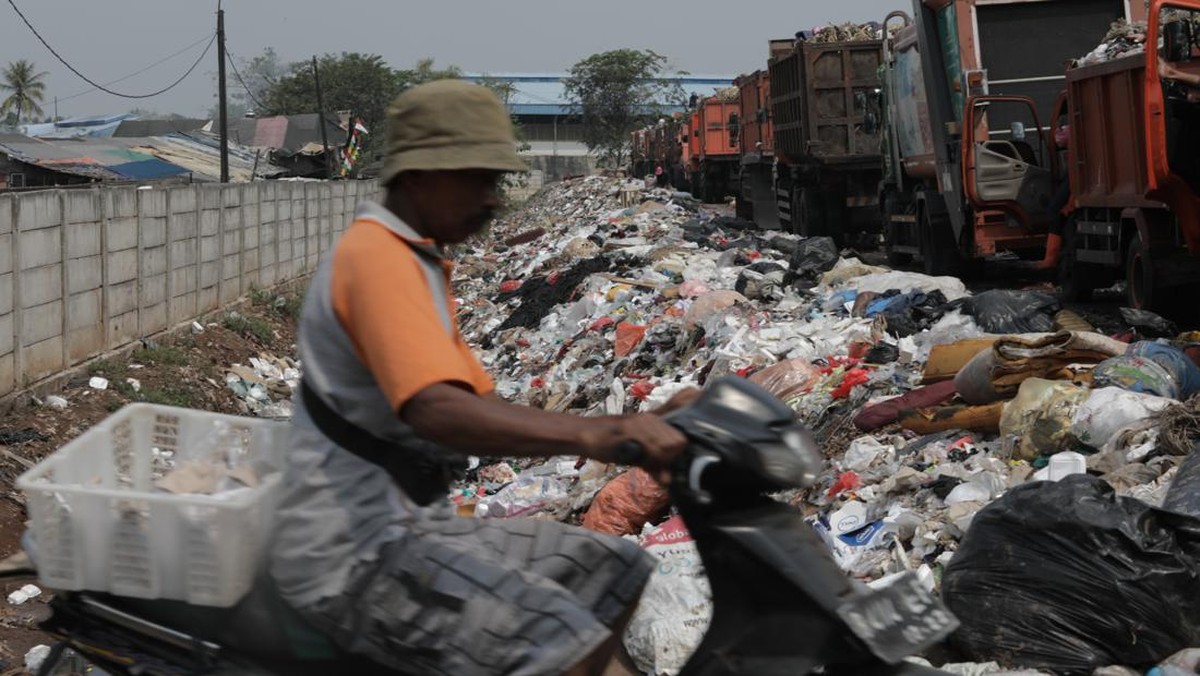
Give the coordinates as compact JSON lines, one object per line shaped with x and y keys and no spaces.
{"x":1108,"y":409}
{"x":676,"y":606}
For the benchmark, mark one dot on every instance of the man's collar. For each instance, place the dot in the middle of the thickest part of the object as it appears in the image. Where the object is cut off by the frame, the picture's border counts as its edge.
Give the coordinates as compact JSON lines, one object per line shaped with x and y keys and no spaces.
{"x":377,"y":212}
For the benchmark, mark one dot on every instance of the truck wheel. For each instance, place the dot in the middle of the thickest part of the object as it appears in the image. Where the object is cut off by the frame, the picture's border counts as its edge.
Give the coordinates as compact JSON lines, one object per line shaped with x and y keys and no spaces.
{"x":1139,"y":276}
{"x":939,"y":253}
{"x":892,"y":232}
{"x":1077,"y":280}
{"x":808,"y":214}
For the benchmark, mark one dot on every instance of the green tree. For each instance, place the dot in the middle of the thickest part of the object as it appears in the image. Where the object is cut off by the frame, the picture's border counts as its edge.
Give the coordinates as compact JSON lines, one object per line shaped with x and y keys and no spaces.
{"x":614,"y":93}
{"x":361,"y":83}
{"x":26,"y":89}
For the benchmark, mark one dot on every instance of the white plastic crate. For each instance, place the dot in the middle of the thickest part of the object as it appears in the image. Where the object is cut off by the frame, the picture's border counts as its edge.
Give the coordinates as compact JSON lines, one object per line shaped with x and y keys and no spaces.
{"x":99,"y":523}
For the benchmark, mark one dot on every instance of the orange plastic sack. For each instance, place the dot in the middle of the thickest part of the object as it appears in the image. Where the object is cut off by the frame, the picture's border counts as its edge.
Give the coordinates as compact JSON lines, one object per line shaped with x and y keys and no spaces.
{"x":787,"y":378}
{"x":627,"y":503}
{"x":628,"y":337}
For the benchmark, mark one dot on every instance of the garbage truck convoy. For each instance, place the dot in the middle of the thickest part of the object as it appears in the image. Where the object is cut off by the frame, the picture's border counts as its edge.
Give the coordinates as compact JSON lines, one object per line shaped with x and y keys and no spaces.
{"x":942,"y":133}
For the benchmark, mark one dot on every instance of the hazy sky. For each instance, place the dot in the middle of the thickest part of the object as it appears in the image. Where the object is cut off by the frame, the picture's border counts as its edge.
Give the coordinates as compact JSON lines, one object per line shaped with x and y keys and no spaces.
{"x":114,"y":38}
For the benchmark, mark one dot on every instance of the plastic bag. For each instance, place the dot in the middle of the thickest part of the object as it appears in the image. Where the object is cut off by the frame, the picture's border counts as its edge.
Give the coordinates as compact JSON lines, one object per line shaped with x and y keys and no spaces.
{"x":1148,"y":323}
{"x":1183,"y":496}
{"x":905,"y":282}
{"x":628,"y":338}
{"x":676,"y":606}
{"x":1107,"y":410}
{"x":710,"y":304}
{"x":1009,"y":311}
{"x":527,"y":496}
{"x":1182,"y":369}
{"x":1068,"y":577}
{"x":1136,"y":374}
{"x":1040,"y":417}
{"x":789,"y":378}
{"x":627,"y":503}
{"x":814,"y":256}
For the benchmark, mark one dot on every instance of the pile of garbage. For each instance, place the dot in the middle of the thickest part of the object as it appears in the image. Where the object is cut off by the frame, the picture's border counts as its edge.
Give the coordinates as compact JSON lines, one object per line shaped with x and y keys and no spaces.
{"x":846,"y":32}
{"x":1124,"y":38}
{"x":264,"y":387}
{"x":936,"y":409}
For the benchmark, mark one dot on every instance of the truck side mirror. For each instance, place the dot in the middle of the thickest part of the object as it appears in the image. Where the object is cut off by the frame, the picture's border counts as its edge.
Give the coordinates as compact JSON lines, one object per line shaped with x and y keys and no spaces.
{"x":1018,"y":131}
{"x":1177,"y":41}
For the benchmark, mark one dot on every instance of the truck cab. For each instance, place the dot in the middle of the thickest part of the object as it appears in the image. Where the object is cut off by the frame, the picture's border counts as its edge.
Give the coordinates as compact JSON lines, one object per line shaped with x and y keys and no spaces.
{"x":970,"y":168}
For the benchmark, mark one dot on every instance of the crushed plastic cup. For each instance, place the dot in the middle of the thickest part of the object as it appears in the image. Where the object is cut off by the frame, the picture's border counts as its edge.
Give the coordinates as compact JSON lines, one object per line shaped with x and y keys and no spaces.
{"x":36,"y":657}
{"x":98,"y":383}
{"x":23,"y":594}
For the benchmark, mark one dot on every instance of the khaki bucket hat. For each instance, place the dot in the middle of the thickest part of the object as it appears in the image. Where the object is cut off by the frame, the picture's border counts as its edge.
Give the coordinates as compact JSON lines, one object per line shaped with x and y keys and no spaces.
{"x":449,"y":125}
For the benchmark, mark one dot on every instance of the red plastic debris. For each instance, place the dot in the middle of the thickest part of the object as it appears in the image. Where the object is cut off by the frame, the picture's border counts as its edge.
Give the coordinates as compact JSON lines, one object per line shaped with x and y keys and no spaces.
{"x":537,"y":383}
{"x":628,"y":337}
{"x":847,"y":481}
{"x":601,"y":324}
{"x":641,"y":389}
{"x":853,"y":378}
{"x":510,"y":285}
{"x":552,"y":278}
{"x":753,"y":255}
{"x":745,"y":372}
{"x":522,"y":342}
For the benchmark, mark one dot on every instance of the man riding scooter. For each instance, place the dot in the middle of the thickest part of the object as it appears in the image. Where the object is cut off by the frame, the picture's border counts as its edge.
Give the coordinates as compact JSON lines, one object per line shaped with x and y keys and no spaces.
{"x":367,"y":546}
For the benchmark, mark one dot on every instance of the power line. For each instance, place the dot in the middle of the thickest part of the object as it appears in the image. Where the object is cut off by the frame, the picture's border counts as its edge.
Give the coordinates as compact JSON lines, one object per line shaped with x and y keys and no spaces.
{"x":253,"y":98}
{"x":96,"y":84}
{"x":139,"y":72}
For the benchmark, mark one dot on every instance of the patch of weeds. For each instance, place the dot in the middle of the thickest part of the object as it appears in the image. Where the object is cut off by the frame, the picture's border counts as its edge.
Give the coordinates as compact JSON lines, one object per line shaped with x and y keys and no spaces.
{"x":260,"y":297}
{"x":124,"y":389}
{"x":289,"y":305}
{"x":249,"y":327}
{"x":105,"y":367}
{"x":170,"y":395}
{"x":163,"y":355}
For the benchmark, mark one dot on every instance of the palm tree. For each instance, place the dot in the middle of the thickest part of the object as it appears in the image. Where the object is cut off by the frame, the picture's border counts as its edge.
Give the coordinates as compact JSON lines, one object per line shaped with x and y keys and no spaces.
{"x":27,"y":87}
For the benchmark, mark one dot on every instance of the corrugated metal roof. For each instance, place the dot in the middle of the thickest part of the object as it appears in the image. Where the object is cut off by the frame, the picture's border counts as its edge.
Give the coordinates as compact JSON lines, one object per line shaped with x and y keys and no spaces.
{"x":134,"y":128}
{"x":139,"y":158}
{"x":101,"y":126}
{"x":286,"y":133}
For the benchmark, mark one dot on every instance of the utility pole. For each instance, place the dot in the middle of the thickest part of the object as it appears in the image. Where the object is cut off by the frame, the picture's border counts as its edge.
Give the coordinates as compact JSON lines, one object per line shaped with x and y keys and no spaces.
{"x":223,"y":103}
{"x":321,"y":115}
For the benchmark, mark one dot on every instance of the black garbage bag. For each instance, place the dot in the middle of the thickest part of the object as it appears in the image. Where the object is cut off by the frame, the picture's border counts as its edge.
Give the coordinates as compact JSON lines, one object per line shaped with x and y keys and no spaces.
{"x":1183,"y":496}
{"x":762,"y":281}
{"x":733,"y":223}
{"x":814,"y":257}
{"x":1010,"y":311}
{"x":1069,"y":577}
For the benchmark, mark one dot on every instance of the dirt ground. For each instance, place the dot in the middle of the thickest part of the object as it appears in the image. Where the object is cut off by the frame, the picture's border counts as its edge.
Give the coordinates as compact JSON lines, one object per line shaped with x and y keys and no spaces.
{"x":186,"y":369}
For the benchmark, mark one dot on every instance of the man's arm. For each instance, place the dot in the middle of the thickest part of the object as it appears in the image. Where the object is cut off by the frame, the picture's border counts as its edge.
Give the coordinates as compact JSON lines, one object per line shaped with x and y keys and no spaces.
{"x":454,"y":417}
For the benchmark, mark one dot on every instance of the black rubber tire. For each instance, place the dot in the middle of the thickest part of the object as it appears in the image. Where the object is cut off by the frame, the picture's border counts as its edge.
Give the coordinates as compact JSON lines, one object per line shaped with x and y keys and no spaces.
{"x":810,"y":220}
{"x":939,"y":253}
{"x":1139,"y":276}
{"x":1076,"y":280}
{"x":891,"y":232}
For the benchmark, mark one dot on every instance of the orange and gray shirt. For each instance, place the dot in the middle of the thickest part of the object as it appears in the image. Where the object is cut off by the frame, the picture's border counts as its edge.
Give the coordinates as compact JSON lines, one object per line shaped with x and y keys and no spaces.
{"x":378,"y":326}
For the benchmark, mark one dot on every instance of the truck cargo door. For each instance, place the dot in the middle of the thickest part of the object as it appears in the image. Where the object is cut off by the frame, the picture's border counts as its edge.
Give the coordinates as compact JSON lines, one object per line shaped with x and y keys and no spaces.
{"x":1007,"y":168}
